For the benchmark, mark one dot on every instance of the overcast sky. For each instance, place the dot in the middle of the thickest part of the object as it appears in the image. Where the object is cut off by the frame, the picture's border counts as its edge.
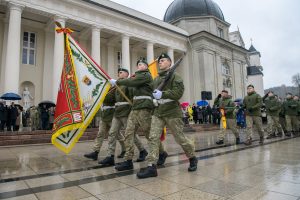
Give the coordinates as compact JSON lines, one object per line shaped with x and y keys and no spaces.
{"x":274,"y":26}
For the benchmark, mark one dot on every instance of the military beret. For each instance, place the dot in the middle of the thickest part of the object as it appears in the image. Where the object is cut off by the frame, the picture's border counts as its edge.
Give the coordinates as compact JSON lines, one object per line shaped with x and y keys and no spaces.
{"x":123,"y":69}
{"x":289,"y":93}
{"x":142,"y":60}
{"x":225,"y":91}
{"x":164,"y":55}
{"x":250,"y":86}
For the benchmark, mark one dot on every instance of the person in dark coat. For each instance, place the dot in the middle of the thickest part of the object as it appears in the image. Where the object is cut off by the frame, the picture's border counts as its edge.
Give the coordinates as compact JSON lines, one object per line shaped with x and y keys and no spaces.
{"x":195,"y":113}
{"x":44,"y":117}
{"x":3,"y":116}
{"x":13,"y":111}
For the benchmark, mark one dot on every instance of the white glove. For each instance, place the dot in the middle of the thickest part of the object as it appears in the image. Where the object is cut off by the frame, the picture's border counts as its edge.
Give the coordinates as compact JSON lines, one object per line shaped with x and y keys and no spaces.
{"x":112,"y":82}
{"x":157,"y":94}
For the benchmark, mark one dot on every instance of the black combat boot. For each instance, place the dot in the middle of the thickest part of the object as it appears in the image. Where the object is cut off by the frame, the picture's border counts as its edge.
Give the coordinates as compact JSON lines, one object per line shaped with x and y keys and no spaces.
{"x":219,"y":142}
{"x":122,"y":154}
{"x":248,"y":141}
{"x":93,"y":155}
{"x":271,"y":136}
{"x":150,"y":171}
{"x":288,"y":134}
{"x":193,"y":164}
{"x":162,"y":158}
{"x":261,"y":140}
{"x":126,"y":165}
{"x":237,"y":141}
{"x":279,"y":134}
{"x":142,"y":156}
{"x":108,"y":161}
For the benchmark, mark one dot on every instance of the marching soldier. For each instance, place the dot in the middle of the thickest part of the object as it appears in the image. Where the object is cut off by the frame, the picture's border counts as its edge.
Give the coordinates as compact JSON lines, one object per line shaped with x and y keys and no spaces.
{"x":122,"y":110}
{"x":106,"y":115}
{"x":252,"y":103}
{"x":168,"y":112}
{"x":141,"y":111}
{"x":273,"y":107}
{"x":290,"y":107}
{"x":224,"y":102}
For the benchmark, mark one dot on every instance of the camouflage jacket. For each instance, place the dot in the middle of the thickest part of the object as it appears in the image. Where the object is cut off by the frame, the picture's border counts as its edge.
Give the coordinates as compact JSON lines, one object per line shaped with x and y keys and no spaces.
{"x":106,"y":115}
{"x":228,"y":105}
{"x":253,"y":103}
{"x":174,"y":91}
{"x":273,"y":106}
{"x":290,"y":107}
{"x":141,"y":84}
{"x":123,"y":110}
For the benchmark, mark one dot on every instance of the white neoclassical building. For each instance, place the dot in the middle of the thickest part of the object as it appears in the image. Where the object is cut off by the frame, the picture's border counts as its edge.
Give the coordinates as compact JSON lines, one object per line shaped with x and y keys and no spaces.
{"x":31,"y":54}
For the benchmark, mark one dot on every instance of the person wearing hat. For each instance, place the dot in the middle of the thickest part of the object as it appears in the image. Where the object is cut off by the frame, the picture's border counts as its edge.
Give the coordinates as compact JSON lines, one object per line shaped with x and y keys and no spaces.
{"x":167,"y":113}
{"x":273,"y":107}
{"x":141,"y":110}
{"x":122,"y":110}
{"x":225,"y":102}
{"x":106,"y":115}
{"x":290,"y":107}
{"x":252,"y":104}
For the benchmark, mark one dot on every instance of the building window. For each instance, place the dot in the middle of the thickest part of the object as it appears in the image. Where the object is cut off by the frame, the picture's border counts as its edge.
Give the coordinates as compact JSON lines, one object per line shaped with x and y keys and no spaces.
{"x":119,"y":59}
{"x":220,"y":33}
{"x":29,"y":48}
{"x":225,"y":69}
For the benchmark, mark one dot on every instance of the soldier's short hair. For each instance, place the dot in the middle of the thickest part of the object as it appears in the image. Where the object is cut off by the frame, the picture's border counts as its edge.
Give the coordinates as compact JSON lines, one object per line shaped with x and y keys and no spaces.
{"x":250,"y":86}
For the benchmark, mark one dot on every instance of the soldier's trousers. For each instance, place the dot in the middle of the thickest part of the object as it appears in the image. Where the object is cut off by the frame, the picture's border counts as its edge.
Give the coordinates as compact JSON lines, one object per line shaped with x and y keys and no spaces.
{"x":258,"y":124}
{"x":176,"y":126}
{"x":138,"y":118}
{"x":291,"y":123}
{"x":115,"y":134}
{"x":231,"y":125}
{"x":273,"y":125}
{"x":282,"y":123}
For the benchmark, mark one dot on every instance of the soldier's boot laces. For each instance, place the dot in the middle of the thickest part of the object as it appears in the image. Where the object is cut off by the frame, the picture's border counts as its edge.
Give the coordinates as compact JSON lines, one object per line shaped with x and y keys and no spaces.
{"x":219,"y":142}
{"x":122,"y":154}
{"x":126,"y":165}
{"x":193,"y":164}
{"x":108,"y":161}
{"x":237,"y":140}
{"x":93,"y":155}
{"x":162,"y":158}
{"x":147,"y":172}
{"x":248,"y":141}
{"x":261,"y":140}
{"x":271,"y":136}
{"x":142,"y":156}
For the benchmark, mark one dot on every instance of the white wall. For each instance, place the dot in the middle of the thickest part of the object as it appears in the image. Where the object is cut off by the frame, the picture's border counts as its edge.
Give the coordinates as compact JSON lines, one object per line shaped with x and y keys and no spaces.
{"x":255,"y":60}
{"x":1,"y":49}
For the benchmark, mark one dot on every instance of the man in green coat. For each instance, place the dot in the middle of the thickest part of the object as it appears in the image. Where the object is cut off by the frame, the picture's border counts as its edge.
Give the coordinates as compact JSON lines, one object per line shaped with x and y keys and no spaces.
{"x":296,"y":98}
{"x":224,"y":102}
{"x":291,"y":107}
{"x":106,"y":116}
{"x":141,"y":111}
{"x":167,"y":113}
{"x":122,"y":110}
{"x":273,"y":107}
{"x":252,"y":103}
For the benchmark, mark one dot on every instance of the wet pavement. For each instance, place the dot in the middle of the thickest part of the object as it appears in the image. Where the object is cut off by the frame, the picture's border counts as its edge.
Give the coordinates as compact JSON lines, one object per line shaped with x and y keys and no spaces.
{"x":269,"y":171}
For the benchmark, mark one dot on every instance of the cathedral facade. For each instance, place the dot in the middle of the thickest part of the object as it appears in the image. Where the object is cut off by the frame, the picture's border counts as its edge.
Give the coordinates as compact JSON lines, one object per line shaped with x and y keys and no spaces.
{"x":31,"y":54}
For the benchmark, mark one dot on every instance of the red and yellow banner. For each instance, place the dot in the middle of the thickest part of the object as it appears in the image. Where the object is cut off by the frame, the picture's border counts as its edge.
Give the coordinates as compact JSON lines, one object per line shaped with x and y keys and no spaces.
{"x":81,"y":92}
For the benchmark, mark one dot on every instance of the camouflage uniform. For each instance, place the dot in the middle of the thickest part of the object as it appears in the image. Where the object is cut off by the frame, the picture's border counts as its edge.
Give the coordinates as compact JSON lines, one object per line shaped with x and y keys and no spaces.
{"x":168,"y":113}
{"x":229,"y":107}
{"x":291,"y":107}
{"x":140,"y":114}
{"x":34,"y":118}
{"x":273,"y":107}
{"x":106,"y":115}
{"x":253,"y":103}
{"x":122,"y":110}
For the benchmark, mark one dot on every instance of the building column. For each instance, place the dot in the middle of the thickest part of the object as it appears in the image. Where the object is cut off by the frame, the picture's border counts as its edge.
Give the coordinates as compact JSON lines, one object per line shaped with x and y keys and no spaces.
{"x":171,"y":54}
{"x":4,"y":46}
{"x":58,"y":57}
{"x":134,"y":58}
{"x":12,"y":58}
{"x":111,"y":68}
{"x":125,"y":52}
{"x":48,"y":65}
{"x":150,"y":52}
{"x":96,"y":51}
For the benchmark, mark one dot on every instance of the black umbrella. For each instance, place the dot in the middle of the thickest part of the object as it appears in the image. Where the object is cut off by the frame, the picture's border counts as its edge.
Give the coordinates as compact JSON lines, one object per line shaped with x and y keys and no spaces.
{"x":10,"y":96}
{"x":47,"y":103}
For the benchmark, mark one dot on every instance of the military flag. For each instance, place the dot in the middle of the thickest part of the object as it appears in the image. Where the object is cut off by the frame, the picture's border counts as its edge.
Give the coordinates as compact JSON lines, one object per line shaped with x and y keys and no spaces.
{"x":154,"y":73}
{"x":82,"y":89}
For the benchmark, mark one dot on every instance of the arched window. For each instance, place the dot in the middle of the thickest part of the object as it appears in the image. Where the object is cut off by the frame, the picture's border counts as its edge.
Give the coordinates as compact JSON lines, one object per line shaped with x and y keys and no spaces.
{"x":226,"y":69}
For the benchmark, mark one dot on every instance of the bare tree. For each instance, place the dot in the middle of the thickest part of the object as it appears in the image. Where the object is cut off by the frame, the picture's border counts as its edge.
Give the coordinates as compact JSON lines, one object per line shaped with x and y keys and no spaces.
{"x":296,"y":81}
